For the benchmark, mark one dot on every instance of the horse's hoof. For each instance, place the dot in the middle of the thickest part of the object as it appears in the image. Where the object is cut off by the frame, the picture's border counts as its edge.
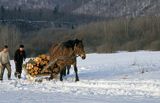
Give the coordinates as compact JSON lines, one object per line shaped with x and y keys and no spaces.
{"x":68,"y":73}
{"x":50,"y":79}
{"x":77,"y":80}
{"x":61,"y":80}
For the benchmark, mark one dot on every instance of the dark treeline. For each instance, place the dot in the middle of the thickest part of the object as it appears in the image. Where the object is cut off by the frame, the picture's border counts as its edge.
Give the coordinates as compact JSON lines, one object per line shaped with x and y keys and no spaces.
{"x":141,"y":33}
{"x":31,"y":20}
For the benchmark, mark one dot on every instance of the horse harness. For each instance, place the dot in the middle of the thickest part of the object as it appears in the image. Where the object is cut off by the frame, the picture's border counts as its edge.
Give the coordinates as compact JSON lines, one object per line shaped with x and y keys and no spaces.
{"x":57,"y":59}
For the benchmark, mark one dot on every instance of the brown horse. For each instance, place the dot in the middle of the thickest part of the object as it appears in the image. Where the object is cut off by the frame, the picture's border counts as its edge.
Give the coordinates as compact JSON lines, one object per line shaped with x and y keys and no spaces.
{"x":64,"y":54}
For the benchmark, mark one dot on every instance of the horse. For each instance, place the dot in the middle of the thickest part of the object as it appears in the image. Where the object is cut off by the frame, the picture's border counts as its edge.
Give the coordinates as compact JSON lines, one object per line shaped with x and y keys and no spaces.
{"x":65,"y":54}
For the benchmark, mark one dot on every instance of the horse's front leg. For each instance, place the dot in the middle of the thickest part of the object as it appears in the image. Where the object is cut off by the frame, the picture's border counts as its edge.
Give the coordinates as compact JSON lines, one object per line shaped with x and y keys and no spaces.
{"x":76,"y":72}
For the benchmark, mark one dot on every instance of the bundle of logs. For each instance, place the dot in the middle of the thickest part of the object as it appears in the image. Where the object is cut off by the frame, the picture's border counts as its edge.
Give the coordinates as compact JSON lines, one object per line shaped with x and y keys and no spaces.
{"x":35,"y":66}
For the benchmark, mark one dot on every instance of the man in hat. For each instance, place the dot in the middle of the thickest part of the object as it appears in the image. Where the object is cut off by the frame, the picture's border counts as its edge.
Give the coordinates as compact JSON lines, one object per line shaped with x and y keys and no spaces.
{"x":5,"y":62}
{"x":19,"y":57}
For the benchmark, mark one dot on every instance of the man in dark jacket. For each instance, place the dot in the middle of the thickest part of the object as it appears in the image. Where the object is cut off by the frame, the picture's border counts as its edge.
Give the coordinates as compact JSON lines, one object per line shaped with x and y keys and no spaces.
{"x":19,"y":56}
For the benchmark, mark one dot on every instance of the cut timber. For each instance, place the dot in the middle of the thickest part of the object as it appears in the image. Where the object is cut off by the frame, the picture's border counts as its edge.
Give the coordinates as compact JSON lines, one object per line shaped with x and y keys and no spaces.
{"x":35,"y":66}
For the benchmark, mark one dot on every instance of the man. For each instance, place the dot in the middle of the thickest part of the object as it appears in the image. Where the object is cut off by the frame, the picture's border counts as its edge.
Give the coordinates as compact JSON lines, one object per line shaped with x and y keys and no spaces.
{"x":5,"y":62}
{"x":19,"y":56}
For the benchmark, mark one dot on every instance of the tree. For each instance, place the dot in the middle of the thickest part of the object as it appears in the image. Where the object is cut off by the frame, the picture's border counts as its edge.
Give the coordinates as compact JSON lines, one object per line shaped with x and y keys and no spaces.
{"x":56,"y":9}
{"x":2,"y":12}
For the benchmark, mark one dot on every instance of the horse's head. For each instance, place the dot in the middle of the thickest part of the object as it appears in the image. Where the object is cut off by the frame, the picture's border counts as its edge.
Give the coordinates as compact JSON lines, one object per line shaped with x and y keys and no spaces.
{"x":79,"y":49}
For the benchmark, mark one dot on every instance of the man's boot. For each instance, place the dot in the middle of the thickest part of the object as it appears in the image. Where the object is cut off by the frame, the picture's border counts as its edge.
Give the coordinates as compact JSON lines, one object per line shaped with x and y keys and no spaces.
{"x":15,"y":74}
{"x":1,"y":78}
{"x":9,"y":77}
{"x":19,"y":76}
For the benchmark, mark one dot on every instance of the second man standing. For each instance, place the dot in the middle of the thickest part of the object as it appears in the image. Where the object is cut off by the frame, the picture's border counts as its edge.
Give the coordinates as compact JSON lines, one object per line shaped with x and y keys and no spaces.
{"x":19,"y":57}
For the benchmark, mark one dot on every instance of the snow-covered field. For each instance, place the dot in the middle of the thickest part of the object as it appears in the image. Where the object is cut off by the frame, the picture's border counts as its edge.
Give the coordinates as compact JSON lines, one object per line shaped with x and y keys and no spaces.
{"x":124,"y":77}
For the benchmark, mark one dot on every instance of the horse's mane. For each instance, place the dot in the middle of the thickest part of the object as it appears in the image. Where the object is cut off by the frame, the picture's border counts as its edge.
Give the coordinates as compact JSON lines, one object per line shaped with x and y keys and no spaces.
{"x":69,"y":44}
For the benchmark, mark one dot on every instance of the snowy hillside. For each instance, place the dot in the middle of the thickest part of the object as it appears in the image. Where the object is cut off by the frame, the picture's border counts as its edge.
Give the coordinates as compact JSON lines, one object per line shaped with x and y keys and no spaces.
{"x":124,"y":77}
{"x":105,"y":8}
{"x":120,"y":8}
{"x":40,"y":4}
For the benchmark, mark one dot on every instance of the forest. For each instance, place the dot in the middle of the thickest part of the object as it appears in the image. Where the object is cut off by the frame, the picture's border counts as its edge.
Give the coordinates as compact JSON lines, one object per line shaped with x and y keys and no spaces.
{"x":129,"y":34}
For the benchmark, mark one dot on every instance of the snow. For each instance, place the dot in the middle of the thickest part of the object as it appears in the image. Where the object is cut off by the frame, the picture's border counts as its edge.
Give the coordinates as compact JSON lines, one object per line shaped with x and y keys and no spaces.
{"x":122,"y":77}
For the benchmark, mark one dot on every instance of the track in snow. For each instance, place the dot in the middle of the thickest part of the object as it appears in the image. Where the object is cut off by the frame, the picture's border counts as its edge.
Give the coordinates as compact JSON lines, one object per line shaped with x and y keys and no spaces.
{"x":91,"y":87}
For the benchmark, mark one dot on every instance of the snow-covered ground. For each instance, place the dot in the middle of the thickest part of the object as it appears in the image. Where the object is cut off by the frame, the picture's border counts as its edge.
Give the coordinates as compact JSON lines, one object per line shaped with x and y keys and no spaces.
{"x":124,"y":77}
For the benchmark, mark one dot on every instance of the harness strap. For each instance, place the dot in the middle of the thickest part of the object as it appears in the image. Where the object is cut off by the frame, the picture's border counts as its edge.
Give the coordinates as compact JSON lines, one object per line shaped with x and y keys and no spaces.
{"x":53,"y":62}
